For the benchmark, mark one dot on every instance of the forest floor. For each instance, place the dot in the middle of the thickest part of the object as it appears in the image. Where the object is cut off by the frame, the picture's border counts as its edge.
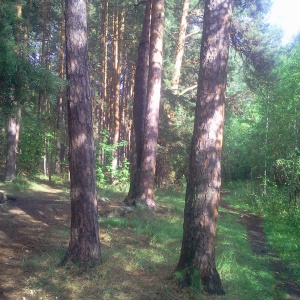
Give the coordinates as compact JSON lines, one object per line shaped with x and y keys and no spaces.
{"x":260,"y":247}
{"x":36,"y":224}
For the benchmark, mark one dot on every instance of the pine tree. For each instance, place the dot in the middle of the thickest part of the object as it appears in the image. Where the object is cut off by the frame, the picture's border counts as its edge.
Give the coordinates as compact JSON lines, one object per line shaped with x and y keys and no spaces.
{"x":84,"y":243}
{"x":197,"y":256}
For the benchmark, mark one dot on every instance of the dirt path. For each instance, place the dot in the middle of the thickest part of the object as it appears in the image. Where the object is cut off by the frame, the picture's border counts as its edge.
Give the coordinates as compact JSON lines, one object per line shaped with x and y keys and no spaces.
{"x":259,"y":246}
{"x":26,"y":228}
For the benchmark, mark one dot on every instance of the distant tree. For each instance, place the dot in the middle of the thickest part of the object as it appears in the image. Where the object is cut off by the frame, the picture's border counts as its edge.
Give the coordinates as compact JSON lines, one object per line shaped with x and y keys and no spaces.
{"x":13,"y":130}
{"x":146,"y":105}
{"x":118,"y":57}
{"x":146,"y":189}
{"x":197,"y":256}
{"x":22,"y":79}
{"x":60,"y":132}
{"x":180,"y":44}
{"x":84,"y":243}
{"x":139,"y":104}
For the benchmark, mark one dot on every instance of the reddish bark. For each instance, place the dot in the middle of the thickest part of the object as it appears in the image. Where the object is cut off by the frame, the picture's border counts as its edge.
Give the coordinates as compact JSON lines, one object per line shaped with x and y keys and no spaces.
{"x":119,"y":27}
{"x":180,"y":45}
{"x":13,"y":132}
{"x":139,"y":105}
{"x":84,"y":242}
{"x":146,"y":192}
{"x":204,"y":180}
{"x":60,"y":119}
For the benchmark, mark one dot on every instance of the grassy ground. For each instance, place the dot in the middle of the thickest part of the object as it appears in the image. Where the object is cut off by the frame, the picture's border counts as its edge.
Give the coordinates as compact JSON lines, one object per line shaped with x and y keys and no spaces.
{"x":140,"y":252}
{"x":281,"y":220}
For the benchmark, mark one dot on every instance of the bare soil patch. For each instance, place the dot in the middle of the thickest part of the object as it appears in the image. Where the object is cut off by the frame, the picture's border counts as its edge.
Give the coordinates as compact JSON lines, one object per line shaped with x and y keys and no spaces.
{"x":28,"y":226}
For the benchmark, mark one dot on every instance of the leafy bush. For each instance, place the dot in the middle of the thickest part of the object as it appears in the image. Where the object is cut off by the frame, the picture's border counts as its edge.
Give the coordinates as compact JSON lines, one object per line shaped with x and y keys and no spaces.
{"x":104,"y":172}
{"x":287,"y":174}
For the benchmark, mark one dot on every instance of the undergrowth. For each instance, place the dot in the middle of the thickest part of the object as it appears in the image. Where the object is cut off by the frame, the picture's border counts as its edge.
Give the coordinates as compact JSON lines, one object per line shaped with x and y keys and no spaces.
{"x":281,"y":218}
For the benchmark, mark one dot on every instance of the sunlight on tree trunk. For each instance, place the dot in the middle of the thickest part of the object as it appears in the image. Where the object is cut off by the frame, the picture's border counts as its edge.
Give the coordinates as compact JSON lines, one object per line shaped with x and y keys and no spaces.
{"x":13,"y":130}
{"x":84,"y":243}
{"x":118,"y":52}
{"x":103,"y":71}
{"x":197,"y":258}
{"x":13,"y":133}
{"x":180,"y":45}
{"x":60,"y":106}
{"x":146,"y":193}
{"x":139,"y":105}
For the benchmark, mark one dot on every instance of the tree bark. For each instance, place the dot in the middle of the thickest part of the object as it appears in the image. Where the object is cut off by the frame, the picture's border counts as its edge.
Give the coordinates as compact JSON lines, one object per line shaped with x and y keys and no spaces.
{"x":10,"y":169}
{"x":13,"y":132}
{"x":118,"y":49}
{"x":204,"y":181}
{"x":146,"y":189}
{"x":139,"y":105}
{"x":103,"y":47}
{"x":13,"y":129}
{"x":59,"y":120}
{"x":84,"y":243}
{"x":180,"y":45}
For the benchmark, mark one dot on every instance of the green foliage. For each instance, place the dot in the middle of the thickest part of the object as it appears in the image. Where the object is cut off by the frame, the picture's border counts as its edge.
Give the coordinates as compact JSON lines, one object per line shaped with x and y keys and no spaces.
{"x":25,"y":80}
{"x":100,"y":176}
{"x":175,"y":134}
{"x":31,"y":138}
{"x":104,"y":152}
{"x":243,"y":151}
{"x":287,"y":174}
{"x":251,"y":38}
{"x":19,"y":77}
{"x":261,"y":134}
{"x":122,"y":174}
{"x":20,"y":184}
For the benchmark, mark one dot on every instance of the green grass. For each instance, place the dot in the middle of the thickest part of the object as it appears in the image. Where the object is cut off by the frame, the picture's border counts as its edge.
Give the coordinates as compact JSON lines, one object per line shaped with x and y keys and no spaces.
{"x":244,"y":274}
{"x":284,"y":238}
{"x":281,"y":221}
{"x":140,"y":252}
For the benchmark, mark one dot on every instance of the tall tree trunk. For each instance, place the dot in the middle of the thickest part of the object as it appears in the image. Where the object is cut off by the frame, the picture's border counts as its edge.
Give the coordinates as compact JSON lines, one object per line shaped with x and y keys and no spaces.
{"x":267,"y":96}
{"x":139,"y":105}
{"x":14,"y":119}
{"x":197,"y":256}
{"x":129,"y":115}
{"x":59,"y":120}
{"x":146,"y":192}
{"x":13,"y":132}
{"x":45,"y":62}
{"x":111,"y":66}
{"x":103,"y":75}
{"x":180,"y":45}
{"x":3,"y":129}
{"x":118,"y":49}
{"x":84,"y":242}
{"x":103,"y":46}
